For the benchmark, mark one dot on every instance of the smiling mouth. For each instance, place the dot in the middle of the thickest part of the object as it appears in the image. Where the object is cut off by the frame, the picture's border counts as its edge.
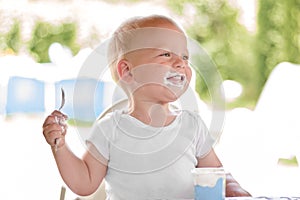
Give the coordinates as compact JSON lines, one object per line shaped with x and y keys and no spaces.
{"x":175,"y":79}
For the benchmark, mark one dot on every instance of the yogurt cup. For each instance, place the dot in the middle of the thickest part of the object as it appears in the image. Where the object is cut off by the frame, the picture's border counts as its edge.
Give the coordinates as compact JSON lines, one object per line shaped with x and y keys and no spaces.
{"x":209,"y":183}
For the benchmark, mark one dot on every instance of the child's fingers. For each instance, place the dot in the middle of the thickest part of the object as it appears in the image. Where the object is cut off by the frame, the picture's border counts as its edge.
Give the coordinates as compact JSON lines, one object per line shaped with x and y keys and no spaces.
{"x":52,"y":132}
{"x":59,"y":114}
{"x":64,"y":129}
{"x":55,"y":139}
{"x":52,"y":136}
{"x":47,"y":128}
{"x":55,"y":128}
{"x":54,"y":119}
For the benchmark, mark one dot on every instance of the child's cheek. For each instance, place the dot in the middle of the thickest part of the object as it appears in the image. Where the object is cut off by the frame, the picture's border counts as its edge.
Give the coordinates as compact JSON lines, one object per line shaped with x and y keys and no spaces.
{"x":149,"y":74}
{"x":159,"y":76}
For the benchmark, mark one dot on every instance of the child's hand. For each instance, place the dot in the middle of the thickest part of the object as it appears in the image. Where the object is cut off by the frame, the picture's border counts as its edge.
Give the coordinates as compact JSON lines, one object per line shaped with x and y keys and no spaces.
{"x":55,"y":129}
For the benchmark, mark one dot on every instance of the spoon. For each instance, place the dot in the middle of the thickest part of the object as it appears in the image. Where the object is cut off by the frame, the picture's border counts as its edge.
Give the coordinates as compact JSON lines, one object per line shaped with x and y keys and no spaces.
{"x":63,"y":101}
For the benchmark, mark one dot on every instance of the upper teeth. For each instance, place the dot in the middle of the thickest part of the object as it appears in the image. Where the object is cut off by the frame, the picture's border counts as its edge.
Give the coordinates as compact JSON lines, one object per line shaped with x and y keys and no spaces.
{"x":175,"y":76}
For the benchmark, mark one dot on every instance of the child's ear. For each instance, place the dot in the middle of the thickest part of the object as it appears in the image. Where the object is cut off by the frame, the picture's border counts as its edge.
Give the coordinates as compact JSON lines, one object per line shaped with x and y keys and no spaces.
{"x":124,"y":70}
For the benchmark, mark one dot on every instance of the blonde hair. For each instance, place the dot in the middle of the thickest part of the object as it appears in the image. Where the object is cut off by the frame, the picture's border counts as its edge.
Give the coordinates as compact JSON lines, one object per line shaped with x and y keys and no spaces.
{"x":121,"y":37}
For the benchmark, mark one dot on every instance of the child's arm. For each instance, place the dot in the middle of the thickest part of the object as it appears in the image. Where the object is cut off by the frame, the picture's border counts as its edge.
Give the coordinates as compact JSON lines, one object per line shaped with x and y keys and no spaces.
{"x":233,"y":188}
{"x":83,"y":176}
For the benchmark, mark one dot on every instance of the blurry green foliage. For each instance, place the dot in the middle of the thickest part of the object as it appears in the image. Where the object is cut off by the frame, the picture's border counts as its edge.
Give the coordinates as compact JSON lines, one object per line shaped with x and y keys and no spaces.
{"x":278,"y":37}
{"x":239,"y":55}
{"x":13,"y":38}
{"x":11,"y":41}
{"x":215,"y":26}
{"x":44,"y":34}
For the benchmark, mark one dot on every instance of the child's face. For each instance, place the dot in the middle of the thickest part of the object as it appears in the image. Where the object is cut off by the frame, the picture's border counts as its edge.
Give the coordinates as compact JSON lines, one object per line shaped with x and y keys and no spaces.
{"x":158,"y":67}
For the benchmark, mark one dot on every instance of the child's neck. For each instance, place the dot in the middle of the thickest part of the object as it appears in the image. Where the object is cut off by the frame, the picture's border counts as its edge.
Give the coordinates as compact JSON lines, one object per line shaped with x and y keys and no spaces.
{"x":153,"y":114}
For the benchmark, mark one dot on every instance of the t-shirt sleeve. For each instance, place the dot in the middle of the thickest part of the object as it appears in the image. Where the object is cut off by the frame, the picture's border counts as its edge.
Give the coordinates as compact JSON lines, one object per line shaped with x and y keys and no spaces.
{"x":99,"y":140}
{"x":204,"y":140}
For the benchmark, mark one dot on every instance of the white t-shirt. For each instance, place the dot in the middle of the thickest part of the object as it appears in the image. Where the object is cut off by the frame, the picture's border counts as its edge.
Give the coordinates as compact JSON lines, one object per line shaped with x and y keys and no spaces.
{"x":146,"y":162}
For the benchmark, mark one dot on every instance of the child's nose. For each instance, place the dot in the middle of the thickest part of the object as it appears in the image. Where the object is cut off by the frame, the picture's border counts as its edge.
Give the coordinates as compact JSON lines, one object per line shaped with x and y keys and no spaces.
{"x":179,"y":62}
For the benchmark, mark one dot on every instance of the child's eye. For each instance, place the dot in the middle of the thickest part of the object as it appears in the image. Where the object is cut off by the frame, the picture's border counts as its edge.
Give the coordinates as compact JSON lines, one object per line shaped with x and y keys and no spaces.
{"x":167,"y":54}
{"x":185,"y":57}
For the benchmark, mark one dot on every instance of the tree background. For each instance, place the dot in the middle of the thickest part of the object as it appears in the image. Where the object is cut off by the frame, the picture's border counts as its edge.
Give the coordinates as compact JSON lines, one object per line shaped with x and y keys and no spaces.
{"x":239,"y":54}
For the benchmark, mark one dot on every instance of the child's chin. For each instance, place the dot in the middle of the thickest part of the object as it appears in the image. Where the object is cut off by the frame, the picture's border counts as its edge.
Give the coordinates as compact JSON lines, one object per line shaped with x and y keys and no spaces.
{"x":176,"y":93}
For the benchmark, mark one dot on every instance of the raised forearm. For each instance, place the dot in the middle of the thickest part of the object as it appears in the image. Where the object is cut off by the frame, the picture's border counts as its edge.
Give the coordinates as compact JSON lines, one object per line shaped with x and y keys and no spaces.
{"x":77,"y":173}
{"x":73,"y":170}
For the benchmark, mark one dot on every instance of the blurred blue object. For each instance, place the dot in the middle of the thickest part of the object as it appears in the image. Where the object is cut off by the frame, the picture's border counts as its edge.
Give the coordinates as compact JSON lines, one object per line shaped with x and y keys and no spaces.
{"x":2,"y":100}
{"x":25,"y":95}
{"x":84,"y":98}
